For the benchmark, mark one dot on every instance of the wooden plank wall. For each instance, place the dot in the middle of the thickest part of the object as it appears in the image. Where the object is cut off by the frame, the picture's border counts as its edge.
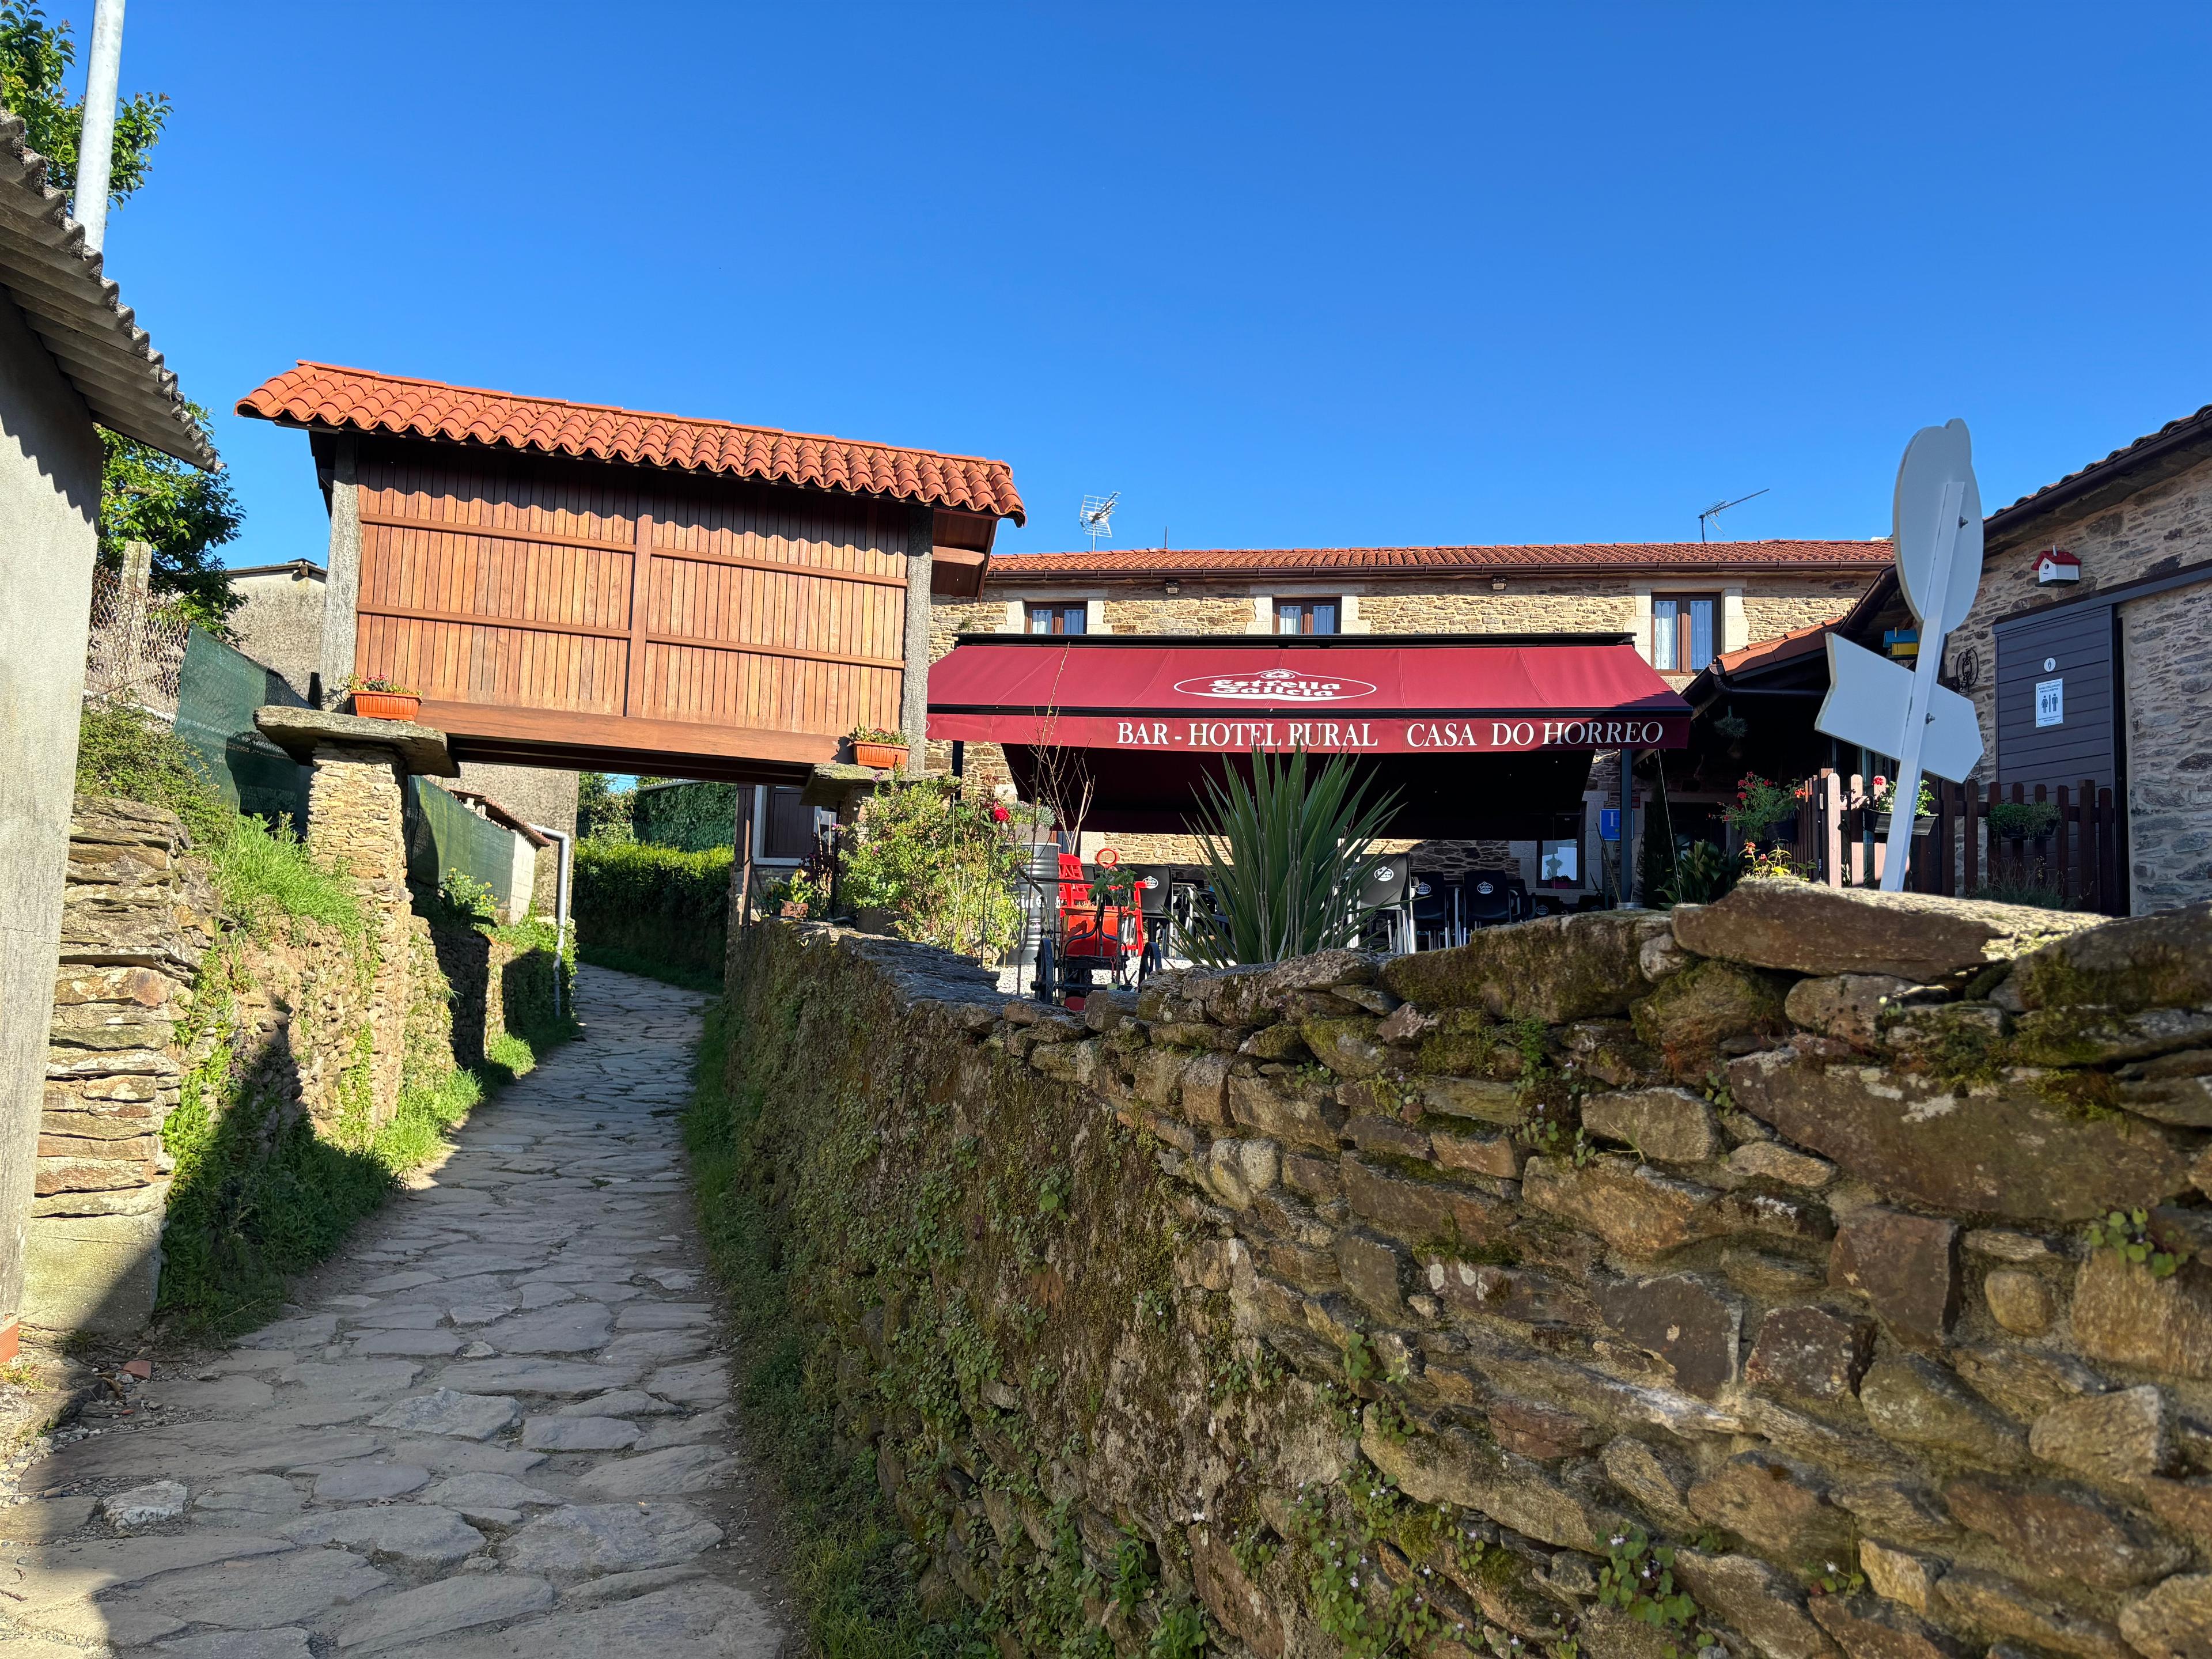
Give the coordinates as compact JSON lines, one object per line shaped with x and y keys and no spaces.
{"x":519,"y":583}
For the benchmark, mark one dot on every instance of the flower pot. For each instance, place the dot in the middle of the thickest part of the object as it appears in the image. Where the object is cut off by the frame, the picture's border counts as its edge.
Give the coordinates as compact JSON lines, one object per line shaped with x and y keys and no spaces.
{"x":387,"y":705}
{"x":1921,"y":825}
{"x":883,"y":756}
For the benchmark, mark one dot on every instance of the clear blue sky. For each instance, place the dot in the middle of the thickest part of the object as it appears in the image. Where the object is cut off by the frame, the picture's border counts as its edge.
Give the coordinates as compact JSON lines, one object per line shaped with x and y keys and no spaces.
{"x":1281,"y":276}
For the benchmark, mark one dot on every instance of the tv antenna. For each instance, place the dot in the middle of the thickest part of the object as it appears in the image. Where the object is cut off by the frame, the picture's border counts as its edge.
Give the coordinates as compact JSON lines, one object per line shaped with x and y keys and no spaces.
{"x":1096,"y":516}
{"x":1719,"y":507}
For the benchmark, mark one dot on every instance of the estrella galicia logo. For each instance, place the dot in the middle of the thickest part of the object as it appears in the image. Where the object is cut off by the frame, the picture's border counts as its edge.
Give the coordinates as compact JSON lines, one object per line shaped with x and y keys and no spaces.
{"x":1276,"y":685}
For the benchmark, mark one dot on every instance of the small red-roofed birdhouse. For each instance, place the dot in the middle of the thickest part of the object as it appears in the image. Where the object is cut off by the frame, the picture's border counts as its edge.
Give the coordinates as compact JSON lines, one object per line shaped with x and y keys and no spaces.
{"x":2055,"y":566}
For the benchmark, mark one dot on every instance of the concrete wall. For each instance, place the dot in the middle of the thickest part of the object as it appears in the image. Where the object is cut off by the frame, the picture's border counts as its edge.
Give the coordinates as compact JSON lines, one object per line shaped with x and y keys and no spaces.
{"x":2168,"y":671}
{"x":537,"y":795}
{"x":50,"y":462}
{"x":281,"y":623}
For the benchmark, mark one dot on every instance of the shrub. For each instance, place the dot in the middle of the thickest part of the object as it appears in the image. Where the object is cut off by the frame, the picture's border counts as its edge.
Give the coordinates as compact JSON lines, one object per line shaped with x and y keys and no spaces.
{"x":467,"y":899}
{"x":122,"y":750}
{"x":1760,"y":804}
{"x":936,"y":859}
{"x":1286,"y":855}
{"x":1703,"y":873}
{"x":1885,"y":797}
{"x":691,"y":817}
{"x":2023,"y":820}
{"x":653,"y":905}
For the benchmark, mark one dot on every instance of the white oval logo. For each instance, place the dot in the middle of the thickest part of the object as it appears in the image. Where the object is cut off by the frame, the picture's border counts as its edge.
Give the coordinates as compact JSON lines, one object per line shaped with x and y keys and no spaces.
{"x":1276,"y":685}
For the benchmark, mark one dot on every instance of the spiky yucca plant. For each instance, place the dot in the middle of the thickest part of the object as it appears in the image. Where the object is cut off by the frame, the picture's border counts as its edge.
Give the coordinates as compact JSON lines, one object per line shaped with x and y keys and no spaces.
{"x":1287,"y":854}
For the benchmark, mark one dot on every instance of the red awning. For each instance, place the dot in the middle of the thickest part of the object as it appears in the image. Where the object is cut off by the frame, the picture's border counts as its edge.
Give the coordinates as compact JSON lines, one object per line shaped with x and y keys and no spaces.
{"x":1216,"y":694}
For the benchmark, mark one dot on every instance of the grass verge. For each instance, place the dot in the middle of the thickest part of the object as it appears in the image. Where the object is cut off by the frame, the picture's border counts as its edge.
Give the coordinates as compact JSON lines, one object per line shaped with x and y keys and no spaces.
{"x":247,"y":1212}
{"x":257,"y":1195}
{"x":849,"y":1555}
{"x":668,"y":973}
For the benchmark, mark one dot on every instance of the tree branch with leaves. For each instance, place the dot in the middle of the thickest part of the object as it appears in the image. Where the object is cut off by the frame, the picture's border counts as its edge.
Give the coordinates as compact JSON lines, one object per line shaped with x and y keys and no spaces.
{"x":184,"y":513}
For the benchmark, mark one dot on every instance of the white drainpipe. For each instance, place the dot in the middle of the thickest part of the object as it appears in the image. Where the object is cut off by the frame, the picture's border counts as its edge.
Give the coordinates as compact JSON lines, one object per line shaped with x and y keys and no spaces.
{"x":560,"y":902}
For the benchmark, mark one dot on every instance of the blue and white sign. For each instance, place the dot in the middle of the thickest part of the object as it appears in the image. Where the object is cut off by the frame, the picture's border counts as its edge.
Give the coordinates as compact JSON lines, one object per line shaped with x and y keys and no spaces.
{"x":1608,"y":823}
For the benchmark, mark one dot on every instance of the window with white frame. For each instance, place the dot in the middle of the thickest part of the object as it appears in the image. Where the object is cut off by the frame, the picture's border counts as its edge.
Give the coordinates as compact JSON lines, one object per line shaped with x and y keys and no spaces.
{"x":1059,"y":618}
{"x":1307,"y":616}
{"x":1682,"y":631}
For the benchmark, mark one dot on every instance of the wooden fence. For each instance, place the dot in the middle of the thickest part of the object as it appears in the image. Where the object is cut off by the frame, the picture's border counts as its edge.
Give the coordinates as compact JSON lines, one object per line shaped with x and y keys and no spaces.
{"x":2068,"y":845}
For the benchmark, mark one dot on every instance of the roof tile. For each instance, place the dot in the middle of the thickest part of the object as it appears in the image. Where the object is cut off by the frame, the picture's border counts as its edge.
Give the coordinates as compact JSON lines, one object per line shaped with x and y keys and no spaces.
{"x":1195,"y":563}
{"x":321,"y":394}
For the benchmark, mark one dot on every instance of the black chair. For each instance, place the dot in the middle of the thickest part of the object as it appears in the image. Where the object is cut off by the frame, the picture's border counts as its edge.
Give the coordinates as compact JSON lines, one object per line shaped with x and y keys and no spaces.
{"x":1382,"y":898}
{"x":1155,"y":895}
{"x":1435,"y":911}
{"x":1491,"y":898}
{"x":1154,"y":888}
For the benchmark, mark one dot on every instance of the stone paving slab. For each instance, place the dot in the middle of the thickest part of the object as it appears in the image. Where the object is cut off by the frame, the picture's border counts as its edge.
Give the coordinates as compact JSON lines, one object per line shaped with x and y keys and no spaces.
{"x":499,"y":1427}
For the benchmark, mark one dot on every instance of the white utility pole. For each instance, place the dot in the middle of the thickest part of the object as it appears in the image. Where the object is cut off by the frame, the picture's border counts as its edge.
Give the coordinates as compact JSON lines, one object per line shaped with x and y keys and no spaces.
{"x":95,"y":148}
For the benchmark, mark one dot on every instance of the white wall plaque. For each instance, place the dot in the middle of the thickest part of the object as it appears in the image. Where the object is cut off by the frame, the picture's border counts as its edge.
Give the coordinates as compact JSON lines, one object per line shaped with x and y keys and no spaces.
{"x":2051,"y":702}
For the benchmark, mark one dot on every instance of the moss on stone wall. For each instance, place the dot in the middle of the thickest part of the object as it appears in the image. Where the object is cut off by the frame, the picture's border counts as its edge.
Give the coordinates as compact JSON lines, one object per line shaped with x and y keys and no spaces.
{"x":1115,"y":1340}
{"x":278,"y":1149}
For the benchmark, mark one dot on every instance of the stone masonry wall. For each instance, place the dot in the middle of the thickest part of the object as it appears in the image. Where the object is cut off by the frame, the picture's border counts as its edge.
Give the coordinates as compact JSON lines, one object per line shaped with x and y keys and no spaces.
{"x":137,"y":918}
{"x":1743,"y":1281}
{"x":2164,"y":637}
{"x":2169,"y":749}
{"x":1772,"y":604}
{"x":141,"y":927}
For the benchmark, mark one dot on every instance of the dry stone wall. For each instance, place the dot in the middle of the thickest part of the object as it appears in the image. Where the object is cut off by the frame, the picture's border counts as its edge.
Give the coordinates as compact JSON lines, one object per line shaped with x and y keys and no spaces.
{"x":1813,"y":1275}
{"x":153,"y":978}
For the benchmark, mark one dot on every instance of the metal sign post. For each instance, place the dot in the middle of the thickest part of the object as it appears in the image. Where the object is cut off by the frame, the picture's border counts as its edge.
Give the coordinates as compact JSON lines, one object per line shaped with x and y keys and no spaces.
{"x":1937,"y":528}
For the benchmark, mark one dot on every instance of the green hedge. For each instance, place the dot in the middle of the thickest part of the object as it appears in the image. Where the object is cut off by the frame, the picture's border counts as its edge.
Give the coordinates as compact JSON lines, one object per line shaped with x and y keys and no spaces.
{"x":653,"y":907}
{"x":693,"y":817}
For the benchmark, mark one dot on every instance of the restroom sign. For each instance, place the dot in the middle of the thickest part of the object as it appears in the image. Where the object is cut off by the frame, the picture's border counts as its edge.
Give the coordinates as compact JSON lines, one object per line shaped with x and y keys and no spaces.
{"x":2051,"y":702}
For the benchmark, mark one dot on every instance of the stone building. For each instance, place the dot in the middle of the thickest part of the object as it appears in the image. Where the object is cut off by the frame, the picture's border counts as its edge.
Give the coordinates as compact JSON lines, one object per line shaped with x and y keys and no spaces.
{"x":2088,"y":652}
{"x":1682,"y":604}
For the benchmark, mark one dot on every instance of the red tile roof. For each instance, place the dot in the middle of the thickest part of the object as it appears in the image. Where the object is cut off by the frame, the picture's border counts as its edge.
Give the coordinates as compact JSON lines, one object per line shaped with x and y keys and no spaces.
{"x":321,"y":394}
{"x":1782,"y":648}
{"x":1193,"y":564}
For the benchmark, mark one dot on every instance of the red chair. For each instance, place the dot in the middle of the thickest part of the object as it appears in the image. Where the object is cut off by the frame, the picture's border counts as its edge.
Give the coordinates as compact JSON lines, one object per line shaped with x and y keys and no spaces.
{"x":1094,"y":935}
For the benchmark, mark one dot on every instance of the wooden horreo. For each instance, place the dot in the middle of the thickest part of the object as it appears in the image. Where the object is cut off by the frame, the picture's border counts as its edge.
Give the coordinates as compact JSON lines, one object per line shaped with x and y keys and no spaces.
{"x":590,"y":587}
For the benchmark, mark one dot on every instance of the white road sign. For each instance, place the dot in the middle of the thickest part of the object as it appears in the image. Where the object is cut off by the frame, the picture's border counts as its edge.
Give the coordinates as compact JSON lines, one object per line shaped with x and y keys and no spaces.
{"x":1868,"y":699}
{"x":1937,"y":501}
{"x":1883,"y":705}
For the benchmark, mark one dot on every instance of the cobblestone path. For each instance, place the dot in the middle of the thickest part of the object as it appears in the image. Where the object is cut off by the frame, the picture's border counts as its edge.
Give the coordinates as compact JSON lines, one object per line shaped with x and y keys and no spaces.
{"x":498,"y":1425}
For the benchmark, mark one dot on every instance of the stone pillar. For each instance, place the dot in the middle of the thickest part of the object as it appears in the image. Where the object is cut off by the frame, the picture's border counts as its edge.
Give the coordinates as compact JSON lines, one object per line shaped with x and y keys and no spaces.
{"x":342,"y":586}
{"x":913,"y":703}
{"x":356,"y":824}
{"x":50,"y":462}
